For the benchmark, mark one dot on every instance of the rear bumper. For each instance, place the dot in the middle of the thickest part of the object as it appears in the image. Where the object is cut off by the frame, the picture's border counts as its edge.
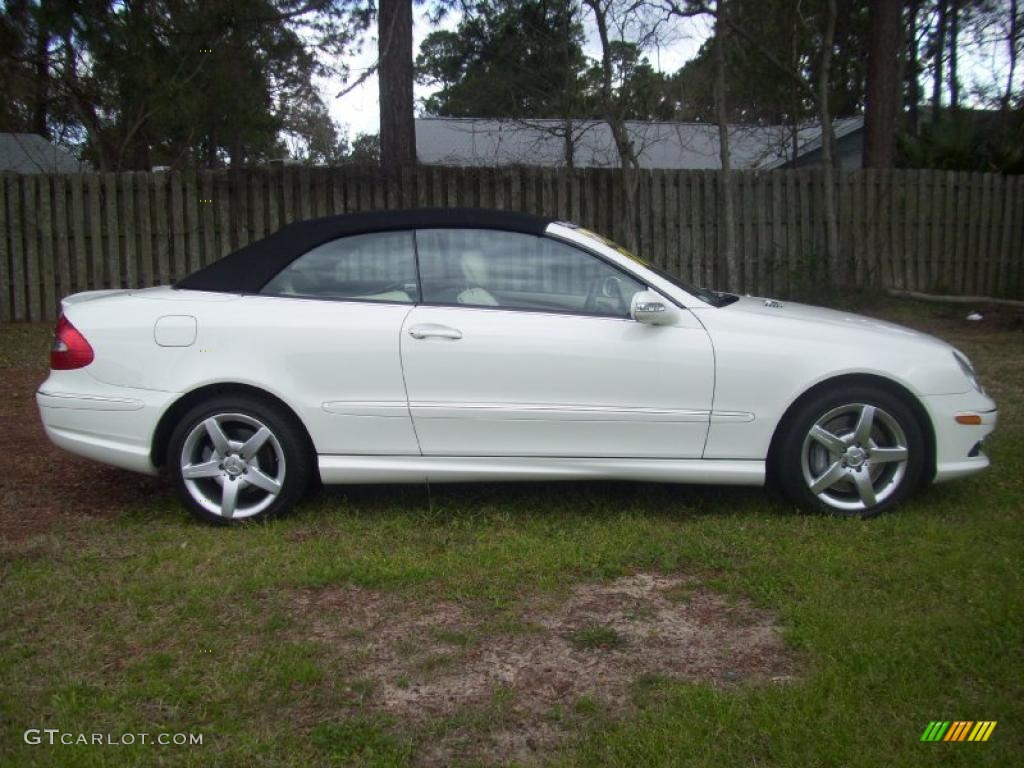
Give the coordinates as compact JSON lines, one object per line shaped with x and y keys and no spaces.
{"x":114,"y":428}
{"x":959,"y":447}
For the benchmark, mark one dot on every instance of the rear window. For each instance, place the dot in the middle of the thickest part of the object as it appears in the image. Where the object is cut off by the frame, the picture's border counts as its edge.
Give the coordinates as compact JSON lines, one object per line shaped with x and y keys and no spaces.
{"x":374,"y":267}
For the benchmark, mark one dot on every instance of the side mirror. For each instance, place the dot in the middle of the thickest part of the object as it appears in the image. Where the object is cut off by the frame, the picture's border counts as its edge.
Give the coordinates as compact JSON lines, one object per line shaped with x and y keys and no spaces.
{"x":651,"y":308}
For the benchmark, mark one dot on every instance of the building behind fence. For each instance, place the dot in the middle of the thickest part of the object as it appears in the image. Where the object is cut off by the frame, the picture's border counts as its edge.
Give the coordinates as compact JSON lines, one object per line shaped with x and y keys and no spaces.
{"x":931,"y":231}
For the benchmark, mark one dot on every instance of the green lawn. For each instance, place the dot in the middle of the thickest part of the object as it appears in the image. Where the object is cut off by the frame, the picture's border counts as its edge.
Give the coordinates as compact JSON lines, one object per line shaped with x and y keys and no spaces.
{"x":150,"y":622}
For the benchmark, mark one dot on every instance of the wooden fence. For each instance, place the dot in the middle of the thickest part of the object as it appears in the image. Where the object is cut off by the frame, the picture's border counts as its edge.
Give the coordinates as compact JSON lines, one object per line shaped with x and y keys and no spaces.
{"x":926,"y":231}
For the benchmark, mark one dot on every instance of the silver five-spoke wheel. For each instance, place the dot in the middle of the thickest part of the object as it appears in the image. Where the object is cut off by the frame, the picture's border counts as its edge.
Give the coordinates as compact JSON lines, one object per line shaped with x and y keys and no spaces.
{"x":232,"y":465}
{"x":854,"y":457}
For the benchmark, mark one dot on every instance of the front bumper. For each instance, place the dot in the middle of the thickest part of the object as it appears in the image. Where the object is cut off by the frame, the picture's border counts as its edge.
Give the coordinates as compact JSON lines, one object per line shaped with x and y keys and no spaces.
{"x":111,"y":425}
{"x":958,"y":447}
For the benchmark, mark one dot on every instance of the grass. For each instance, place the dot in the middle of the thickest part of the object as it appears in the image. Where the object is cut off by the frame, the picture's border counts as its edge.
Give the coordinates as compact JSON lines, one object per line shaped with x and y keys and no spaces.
{"x":153,"y":623}
{"x":596,"y":636}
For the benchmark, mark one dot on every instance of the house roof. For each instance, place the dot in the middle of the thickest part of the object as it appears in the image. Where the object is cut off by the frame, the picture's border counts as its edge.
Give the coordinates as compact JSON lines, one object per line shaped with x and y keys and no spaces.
{"x":485,"y":142}
{"x":248,"y":269}
{"x":840,"y":129}
{"x":31,"y":153}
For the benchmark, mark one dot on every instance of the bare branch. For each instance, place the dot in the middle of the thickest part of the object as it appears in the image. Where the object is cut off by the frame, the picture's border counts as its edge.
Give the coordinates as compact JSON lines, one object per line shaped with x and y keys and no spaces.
{"x":367,"y":74}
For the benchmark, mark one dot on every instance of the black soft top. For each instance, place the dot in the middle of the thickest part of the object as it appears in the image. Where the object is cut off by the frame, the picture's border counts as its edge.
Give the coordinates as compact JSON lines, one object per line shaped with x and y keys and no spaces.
{"x":248,"y":269}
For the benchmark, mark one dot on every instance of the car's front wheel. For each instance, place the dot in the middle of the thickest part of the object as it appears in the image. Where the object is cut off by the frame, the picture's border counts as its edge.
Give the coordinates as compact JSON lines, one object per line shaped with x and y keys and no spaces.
{"x":853,"y":451}
{"x":237,"y":458}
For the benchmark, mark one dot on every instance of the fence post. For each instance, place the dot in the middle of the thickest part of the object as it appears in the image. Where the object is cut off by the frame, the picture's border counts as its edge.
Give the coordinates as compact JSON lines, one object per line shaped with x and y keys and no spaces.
{"x":46,"y":248}
{"x":5,"y":272}
{"x":113,"y":234}
{"x":178,"y":226}
{"x":192,"y":220}
{"x":31,"y":248}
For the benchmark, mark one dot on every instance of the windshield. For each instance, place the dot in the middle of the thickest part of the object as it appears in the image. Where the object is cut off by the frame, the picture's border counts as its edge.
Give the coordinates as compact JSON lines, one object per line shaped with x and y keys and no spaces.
{"x":714,"y":298}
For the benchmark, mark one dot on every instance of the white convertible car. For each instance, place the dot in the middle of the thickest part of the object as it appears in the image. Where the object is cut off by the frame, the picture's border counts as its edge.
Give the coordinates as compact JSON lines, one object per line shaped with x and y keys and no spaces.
{"x":469,"y":345}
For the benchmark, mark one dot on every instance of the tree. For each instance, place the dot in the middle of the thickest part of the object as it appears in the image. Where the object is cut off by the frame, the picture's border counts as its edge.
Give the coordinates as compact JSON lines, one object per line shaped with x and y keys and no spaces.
{"x":311,"y":135}
{"x":883,"y":96}
{"x":166,"y":82}
{"x":1013,"y":43}
{"x":365,"y":150}
{"x":507,"y":60}
{"x":524,"y":62}
{"x":912,"y":73}
{"x":395,"y":77}
{"x":954,"y":55}
{"x":611,"y":106}
{"x":938,"y":49}
{"x":720,"y":43}
{"x":827,"y":140}
{"x":725,"y":174}
{"x":816,"y":82}
{"x":773,"y":63}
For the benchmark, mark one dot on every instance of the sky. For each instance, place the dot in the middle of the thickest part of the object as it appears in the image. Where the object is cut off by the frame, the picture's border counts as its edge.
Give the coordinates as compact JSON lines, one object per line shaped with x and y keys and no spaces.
{"x":358,"y":111}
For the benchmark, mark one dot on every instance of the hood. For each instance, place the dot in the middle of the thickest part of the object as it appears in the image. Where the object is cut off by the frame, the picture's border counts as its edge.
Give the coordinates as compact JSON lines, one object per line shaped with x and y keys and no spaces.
{"x":820,"y":316}
{"x":826,"y":342}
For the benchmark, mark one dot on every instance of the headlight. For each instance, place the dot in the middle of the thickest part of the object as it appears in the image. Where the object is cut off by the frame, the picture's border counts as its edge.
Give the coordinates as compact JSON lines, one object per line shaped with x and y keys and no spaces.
{"x":968,"y":369}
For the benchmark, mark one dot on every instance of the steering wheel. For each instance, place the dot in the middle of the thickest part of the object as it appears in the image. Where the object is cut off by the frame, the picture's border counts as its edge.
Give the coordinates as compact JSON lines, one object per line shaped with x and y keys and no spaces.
{"x":608,"y":289}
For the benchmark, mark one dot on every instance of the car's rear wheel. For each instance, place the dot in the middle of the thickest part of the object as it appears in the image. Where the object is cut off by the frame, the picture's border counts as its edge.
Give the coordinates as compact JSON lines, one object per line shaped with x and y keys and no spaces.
{"x":237,"y":458}
{"x":853,"y":451}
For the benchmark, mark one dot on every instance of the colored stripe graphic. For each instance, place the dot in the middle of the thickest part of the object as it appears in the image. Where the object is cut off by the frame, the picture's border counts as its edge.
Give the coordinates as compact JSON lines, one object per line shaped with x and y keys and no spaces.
{"x":935,"y":730}
{"x":984,"y":730}
{"x":958,"y":730}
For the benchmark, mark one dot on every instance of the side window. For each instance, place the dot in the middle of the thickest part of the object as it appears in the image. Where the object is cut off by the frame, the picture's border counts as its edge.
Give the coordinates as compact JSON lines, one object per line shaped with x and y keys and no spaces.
{"x":374,"y":267}
{"x":488,"y":268}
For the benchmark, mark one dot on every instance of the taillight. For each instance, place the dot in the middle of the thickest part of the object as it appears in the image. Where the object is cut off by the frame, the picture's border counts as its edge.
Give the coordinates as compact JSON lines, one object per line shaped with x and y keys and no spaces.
{"x":70,"y":349}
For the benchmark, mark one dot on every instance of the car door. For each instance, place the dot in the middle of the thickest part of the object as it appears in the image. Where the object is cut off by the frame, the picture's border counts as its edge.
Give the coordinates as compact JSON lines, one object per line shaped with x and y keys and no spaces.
{"x":523,"y":346}
{"x":325,"y":331}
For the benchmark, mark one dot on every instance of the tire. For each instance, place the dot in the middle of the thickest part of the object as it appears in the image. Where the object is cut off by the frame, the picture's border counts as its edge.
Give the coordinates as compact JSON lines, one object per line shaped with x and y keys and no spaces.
{"x":237,"y":458}
{"x":851,"y":452}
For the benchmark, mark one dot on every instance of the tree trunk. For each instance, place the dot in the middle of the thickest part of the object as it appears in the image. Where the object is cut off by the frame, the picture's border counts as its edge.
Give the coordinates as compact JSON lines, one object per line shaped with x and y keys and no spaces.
{"x":939,"y":57}
{"x":630,"y":166}
{"x":103,"y":153}
{"x":883,"y":90}
{"x":829,"y":192}
{"x":628,"y":161}
{"x":568,"y":99}
{"x":794,"y":93}
{"x":954,"y":37}
{"x":41,"y":84}
{"x":395,"y":75}
{"x":913,"y":75}
{"x":1012,"y":40}
{"x":725,"y":182}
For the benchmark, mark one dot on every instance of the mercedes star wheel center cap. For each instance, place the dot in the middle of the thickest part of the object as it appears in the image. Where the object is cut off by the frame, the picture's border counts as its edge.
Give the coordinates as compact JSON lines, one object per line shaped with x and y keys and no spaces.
{"x":855,"y":457}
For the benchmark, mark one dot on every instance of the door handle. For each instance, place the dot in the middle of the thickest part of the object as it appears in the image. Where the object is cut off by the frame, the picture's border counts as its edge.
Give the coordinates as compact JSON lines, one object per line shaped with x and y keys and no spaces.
{"x":432,"y":331}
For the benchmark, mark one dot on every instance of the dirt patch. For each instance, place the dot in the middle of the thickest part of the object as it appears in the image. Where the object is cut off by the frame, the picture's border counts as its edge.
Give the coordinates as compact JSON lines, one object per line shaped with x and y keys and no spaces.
{"x":506,"y":695}
{"x":39,"y":482}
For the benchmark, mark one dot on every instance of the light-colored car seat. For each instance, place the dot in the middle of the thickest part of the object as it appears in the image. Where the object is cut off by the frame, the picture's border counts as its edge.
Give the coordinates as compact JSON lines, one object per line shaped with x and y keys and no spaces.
{"x":342,"y":273}
{"x":475,"y":271}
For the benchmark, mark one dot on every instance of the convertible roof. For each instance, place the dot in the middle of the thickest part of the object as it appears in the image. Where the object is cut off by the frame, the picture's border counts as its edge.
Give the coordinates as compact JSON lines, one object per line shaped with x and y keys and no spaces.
{"x":248,"y":269}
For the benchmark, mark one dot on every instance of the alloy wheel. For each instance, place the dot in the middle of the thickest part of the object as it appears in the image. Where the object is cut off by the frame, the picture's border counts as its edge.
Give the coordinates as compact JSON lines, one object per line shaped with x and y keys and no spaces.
{"x":232,"y":465}
{"x":854,"y":457}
